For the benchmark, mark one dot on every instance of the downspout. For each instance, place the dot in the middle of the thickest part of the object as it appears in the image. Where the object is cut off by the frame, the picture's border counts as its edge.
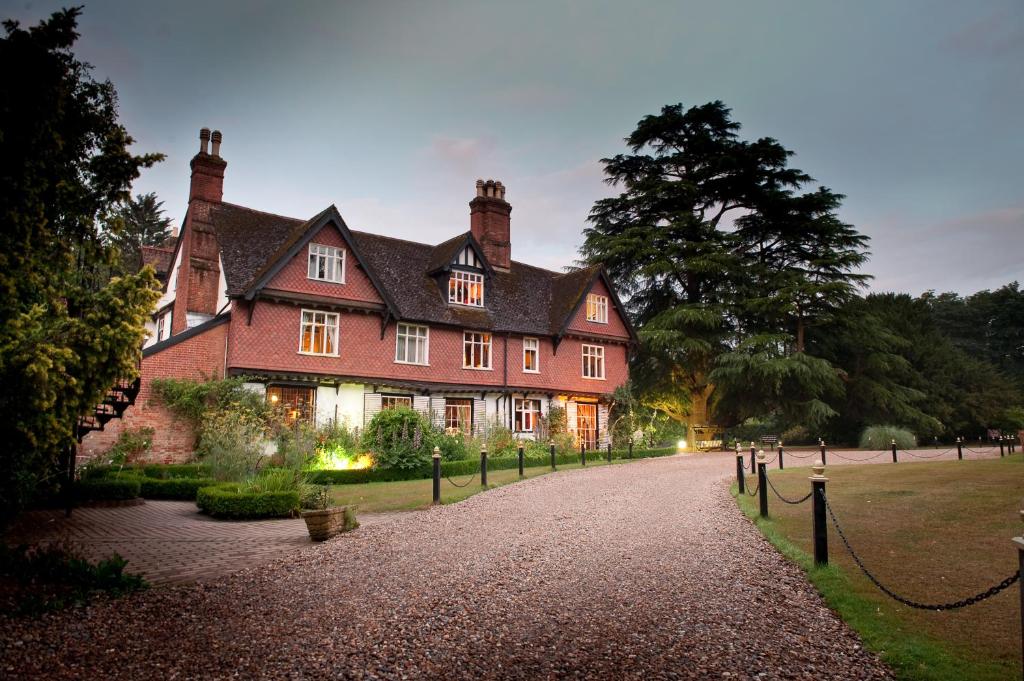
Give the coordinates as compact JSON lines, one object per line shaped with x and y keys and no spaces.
{"x":504,"y":383}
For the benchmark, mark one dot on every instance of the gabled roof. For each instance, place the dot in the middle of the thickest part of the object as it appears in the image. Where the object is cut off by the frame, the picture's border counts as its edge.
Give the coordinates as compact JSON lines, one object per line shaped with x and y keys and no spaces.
{"x":444,"y":253}
{"x":160,"y":258}
{"x":570,"y":292}
{"x":529,"y":300}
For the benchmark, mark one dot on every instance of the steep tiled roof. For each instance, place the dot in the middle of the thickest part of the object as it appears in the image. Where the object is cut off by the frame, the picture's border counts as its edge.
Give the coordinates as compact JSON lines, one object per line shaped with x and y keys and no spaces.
{"x":160,"y":258}
{"x":525,"y":299}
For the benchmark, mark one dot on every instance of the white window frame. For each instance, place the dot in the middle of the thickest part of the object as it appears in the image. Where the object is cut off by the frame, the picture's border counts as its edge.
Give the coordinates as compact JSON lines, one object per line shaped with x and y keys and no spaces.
{"x":459,"y":286}
{"x":531,"y":345}
{"x":593,"y":360}
{"x":521,"y":414}
{"x":409,"y":336}
{"x":598,"y":305}
{"x":160,"y":324}
{"x":405,"y":400}
{"x":476,"y":342}
{"x":332,"y":257}
{"x":313,"y":323}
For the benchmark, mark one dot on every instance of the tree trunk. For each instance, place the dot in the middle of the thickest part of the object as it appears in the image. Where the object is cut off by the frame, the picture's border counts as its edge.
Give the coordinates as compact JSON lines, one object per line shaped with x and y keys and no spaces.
{"x":799,"y":334}
{"x":699,"y":398}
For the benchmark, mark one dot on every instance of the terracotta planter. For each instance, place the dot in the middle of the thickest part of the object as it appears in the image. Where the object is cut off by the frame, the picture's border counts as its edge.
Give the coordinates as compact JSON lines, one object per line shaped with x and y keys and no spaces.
{"x":330,"y":522}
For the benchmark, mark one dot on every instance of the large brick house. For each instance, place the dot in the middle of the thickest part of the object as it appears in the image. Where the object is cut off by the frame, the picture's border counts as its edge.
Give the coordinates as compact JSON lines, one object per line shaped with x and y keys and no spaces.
{"x":333,"y":324}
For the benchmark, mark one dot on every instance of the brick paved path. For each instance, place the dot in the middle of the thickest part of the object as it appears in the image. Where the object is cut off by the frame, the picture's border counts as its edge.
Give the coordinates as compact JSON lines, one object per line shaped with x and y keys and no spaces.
{"x":170,"y":541}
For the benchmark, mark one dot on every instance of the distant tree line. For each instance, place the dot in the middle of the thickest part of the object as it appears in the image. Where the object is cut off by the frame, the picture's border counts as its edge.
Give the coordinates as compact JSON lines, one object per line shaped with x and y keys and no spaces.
{"x":747,"y":291}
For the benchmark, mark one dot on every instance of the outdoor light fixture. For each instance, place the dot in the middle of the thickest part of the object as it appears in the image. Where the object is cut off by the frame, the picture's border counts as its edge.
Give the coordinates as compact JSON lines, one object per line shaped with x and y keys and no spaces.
{"x":681,"y":444}
{"x":273,"y":398}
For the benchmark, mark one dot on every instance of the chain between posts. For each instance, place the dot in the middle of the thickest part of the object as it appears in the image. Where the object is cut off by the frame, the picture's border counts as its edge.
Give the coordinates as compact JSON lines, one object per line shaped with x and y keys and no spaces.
{"x":784,"y":499}
{"x":937,"y":607}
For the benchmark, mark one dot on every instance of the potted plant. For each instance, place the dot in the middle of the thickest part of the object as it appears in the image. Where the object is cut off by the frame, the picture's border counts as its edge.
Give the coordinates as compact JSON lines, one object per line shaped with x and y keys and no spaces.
{"x":324,"y":521}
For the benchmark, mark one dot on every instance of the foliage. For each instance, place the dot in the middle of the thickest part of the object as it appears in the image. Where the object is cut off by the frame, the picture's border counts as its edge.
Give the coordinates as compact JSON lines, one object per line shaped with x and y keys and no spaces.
{"x":67,"y":330}
{"x":453,"y":446}
{"x":270,"y":480}
{"x":632,"y":419}
{"x":231,"y":444}
{"x":132,"y":444}
{"x":499,"y":440}
{"x":880,"y":438}
{"x":181,"y":489}
{"x":108,"y":489}
{"x":316,"y":497}
{"x":338,"y":436}
{"x":558,"y":421}
{"x":132,"y":224}
{"x":158,"y":471}
{"x":192,"y":400}
{"x":51,"y":577}
{"x":399,"y":438}
{"x":230,"y":502}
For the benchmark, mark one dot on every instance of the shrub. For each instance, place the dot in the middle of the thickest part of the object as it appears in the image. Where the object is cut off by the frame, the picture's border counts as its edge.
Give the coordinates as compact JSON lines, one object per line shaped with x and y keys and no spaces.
{"x":193,"y":400}
{"x":797,"y":435}
{"x":165,"y":471}
{"x":228,"y":501}
{"x":132,"y":444}
{"x":272,"y":480}
{"x":51,"y":576}
{"x":881,"y":437}
{"x":231,"y":444}
{"x":361,"y":475}
{"x":338,"y":436}
{"x":453,"y":447}
{"x":108,"y":489}
{"x":399,"y":438}
{"x":500,"y":441}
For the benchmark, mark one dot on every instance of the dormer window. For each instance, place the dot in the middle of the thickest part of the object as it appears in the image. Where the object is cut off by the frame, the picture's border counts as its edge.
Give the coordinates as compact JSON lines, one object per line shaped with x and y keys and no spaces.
{"x":466,"y":288}
{"x":326,"y":263}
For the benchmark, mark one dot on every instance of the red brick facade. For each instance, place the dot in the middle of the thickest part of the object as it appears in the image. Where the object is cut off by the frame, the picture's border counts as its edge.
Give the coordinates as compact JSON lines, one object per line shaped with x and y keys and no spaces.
{"x":293,"y":276}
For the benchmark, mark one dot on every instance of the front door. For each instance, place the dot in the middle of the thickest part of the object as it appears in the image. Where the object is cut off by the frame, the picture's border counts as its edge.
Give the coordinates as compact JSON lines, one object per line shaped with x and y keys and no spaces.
{"x":586,"y":424}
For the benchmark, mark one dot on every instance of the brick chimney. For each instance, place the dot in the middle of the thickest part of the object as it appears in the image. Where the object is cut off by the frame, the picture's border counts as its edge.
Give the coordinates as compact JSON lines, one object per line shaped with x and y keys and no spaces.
{"x":199,"y":273}
{"x":489,"y":218}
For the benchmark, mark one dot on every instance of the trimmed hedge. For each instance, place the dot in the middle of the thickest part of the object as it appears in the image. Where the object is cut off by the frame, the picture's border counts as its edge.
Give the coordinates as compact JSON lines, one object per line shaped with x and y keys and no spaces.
{"x":107,"y":489}
{"x":181,"y":489}
{"x":226,"y":501}
{"x":156,"y":471}
{"x":470,"y":466}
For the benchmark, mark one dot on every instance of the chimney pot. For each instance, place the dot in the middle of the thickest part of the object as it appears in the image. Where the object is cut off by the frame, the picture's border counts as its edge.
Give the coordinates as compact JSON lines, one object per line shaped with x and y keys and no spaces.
{"x":479,"y":187}
{"x":204,"y":137}
{"x":216,"y":137}
{"x":489,"y":222}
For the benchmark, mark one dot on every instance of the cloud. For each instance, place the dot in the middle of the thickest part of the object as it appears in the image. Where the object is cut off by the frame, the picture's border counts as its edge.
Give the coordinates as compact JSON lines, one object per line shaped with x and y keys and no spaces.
{"x":998,"y":34}
{"x":462,"y":155}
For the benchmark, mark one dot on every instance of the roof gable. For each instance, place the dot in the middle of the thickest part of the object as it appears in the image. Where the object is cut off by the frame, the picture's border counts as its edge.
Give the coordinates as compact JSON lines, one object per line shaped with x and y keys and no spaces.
{"x":462,"y":250}
{"x":572,"y":292}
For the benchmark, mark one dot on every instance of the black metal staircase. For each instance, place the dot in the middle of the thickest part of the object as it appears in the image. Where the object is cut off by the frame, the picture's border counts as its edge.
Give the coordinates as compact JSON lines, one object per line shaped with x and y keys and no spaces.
{"x":120,"y":396}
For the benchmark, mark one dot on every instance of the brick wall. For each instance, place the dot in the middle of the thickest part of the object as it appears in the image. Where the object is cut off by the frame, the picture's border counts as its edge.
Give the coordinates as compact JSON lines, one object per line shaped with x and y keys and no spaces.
{"x":615,"y":325}
{"x":198,"y":357}
{"x":293,"y":276}
{"x":271,"y":343}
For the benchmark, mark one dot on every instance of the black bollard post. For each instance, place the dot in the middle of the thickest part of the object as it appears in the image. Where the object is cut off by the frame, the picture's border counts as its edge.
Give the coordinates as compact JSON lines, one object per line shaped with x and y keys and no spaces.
{"x":781,"y":466}
{"x":818,"y":481}
{"x":483,"y":466}
{"x":630,"y":454}
{"x":960,"y":449}
{"x":437,"y":476}
{"x":739,"y":473}
{"x":762,"y":483}
{"x":520,"y":461}
{"x":583,"y":454}
{"x":1000,"y":446}
{"x":894,"y":460}
{"x":609,"y":451}
{"x":753,"y":459}
{"x":552,"y":445}
{"x":824,"y":460}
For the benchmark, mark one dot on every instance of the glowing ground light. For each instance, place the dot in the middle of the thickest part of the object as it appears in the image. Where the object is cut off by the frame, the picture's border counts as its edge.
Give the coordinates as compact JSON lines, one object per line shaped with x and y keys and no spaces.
{"x":339,"y":460}
{"x":681,"y":445}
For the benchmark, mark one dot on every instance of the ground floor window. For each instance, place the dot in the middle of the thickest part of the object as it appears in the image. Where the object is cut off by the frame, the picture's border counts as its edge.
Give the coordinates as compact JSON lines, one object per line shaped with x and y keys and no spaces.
{"x":586,"y":424}
{"x":293,"y":403}
{"x":395,"y":401}
{"x":527,"y":415}
{"x":458,"y":415}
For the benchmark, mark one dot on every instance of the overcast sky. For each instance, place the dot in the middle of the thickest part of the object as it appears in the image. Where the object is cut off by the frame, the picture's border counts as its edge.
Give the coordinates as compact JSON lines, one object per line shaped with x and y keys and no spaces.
{"x":913,"y":110}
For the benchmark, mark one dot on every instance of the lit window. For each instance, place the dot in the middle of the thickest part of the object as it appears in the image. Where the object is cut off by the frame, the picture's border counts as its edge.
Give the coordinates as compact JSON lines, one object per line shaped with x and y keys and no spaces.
{"x":292,"y":403}
{"x":466,"y":288}
{"x":531,"y":355}
{"x":597,"y":308}
{"x":593,"y":361}
{"x":458,"y":415}
{"x":319,"y":335}
{"x":411,"y":344}
{"x":326,"y":263}
{"x":476,"y":350}
{"x":527,"y":413}
{"x":395,"y":401}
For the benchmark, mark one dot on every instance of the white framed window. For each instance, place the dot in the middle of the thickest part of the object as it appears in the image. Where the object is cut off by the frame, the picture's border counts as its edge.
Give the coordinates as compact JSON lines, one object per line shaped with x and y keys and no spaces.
{"x":412,"y":344}
{"x":458,"y":415}
{"x":466,"y":288}
{"x":476,"y":350}
{"x":527,"y":415}
{"x":395,"y":401}
{"x":531,"y":355}
{"x":326,"y":263}
{"x":162,"y":327}
{"x":318,"y":334}
{"x":593,"y":361}
{"x":597,"y":308}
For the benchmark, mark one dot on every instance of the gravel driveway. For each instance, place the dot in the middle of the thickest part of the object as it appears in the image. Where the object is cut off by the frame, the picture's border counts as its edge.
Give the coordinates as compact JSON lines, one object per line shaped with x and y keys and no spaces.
{"x":644,"y":570}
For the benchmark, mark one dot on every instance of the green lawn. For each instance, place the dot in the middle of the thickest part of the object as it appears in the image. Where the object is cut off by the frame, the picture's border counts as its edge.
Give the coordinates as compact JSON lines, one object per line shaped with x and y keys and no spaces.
{"x":932,"y":532}
{"x":409,"y":495}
